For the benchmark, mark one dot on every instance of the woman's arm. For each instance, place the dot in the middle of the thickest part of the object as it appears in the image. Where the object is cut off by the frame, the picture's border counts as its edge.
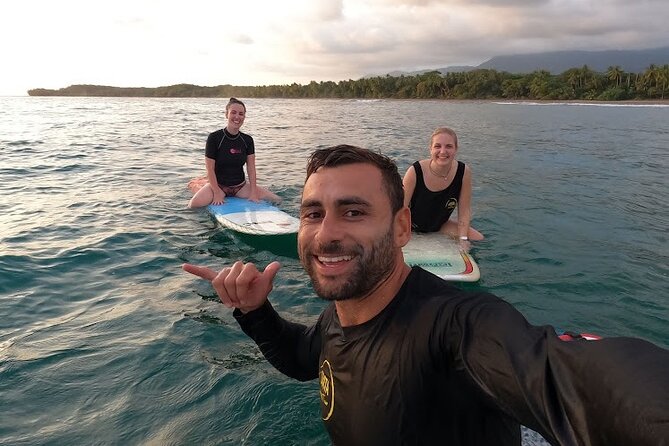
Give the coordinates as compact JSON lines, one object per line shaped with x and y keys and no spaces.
{"x":210,"y":165}
{"x":251,"y":168}
{"x":409,"y":183}
{"x":465,"y":204}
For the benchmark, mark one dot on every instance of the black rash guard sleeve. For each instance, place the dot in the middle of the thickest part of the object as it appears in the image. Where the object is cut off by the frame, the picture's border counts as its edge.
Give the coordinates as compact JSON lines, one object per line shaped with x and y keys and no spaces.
{"x":293,"y":349}
{"x":613,"y":391}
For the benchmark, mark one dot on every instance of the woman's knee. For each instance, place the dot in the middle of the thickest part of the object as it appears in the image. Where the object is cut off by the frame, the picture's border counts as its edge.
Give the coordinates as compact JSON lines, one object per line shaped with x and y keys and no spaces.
{"x":269,"y":195}
{"x":203,"y":197}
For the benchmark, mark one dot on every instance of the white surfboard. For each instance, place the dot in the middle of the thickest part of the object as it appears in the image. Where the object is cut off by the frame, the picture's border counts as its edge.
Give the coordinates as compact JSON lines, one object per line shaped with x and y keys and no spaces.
{"x":247,"y":217}
{"x":441,"y":255}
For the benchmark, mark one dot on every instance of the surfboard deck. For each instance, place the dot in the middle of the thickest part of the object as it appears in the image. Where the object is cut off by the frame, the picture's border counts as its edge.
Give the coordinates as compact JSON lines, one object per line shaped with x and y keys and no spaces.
{"x":441,"y":255}
{"x":248,"y":217}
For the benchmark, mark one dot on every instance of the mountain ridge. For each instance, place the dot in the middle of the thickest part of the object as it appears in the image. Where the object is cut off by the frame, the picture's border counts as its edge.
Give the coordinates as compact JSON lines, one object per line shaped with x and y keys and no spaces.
{"x":557,"y":62}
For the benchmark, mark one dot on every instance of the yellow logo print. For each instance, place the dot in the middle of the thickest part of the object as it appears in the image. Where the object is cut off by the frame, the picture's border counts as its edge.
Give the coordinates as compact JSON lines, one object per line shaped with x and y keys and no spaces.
{"x":451,"y":204}
{"x":327,"y":390}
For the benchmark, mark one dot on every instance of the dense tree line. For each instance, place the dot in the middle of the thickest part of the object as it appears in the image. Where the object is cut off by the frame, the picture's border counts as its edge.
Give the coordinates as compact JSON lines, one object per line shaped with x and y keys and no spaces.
{"x":573,"y":84}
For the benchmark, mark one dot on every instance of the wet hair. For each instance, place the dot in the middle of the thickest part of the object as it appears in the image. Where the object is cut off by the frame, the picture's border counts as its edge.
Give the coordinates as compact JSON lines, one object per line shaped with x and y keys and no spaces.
{"x":345,"y":154}
{"x":440,"y":130}
{"x":233,"y":101}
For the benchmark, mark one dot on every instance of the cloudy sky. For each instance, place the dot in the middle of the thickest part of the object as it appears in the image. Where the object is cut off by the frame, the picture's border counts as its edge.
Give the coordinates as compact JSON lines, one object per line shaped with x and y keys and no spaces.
{"x":150,"y":43}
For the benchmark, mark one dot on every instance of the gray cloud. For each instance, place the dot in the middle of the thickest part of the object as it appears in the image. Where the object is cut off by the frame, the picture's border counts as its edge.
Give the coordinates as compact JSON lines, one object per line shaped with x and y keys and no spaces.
{"x":420,"y":34}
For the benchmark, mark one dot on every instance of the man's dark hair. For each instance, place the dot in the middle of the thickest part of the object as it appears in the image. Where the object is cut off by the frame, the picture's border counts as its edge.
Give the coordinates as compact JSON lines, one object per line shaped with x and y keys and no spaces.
{"x":345,"y":154}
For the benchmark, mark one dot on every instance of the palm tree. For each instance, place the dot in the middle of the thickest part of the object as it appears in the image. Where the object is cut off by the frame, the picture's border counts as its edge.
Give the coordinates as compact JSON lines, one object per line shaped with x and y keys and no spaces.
{"x":615,"y":74}
{"x":651,"y":74}
{"x":573,"y":77}
{"x":663,"y":77}
{"x":540,"y":84}
{"x":585,"y":72}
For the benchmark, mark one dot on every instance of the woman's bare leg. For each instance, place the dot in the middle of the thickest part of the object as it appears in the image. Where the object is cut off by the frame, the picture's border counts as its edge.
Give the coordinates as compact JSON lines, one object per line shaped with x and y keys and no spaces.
{"x":263,"y":193}
{"x":203,"y":197}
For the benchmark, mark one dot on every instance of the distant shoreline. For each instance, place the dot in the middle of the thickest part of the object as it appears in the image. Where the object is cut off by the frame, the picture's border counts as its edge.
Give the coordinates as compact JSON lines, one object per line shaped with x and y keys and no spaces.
{"x":490,"y":100}
{"x":586,"y":101}
{"x":573,"y":85}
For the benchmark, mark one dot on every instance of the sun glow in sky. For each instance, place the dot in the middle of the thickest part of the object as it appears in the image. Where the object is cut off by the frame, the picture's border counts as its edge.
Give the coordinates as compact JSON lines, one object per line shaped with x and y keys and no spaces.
{"x":150,"y":43}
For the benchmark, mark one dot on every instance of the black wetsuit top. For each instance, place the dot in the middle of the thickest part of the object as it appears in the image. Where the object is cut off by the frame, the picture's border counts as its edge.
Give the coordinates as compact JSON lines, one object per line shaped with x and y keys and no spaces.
{"x":230,"y":153}
{"x":444,"y":366}
{"x":430,"y":210}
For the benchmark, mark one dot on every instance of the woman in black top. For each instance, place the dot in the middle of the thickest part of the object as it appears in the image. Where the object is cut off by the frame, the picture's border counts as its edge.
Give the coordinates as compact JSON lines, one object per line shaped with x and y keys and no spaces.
{"x":226,"y":153}
{"x":435,"y":187}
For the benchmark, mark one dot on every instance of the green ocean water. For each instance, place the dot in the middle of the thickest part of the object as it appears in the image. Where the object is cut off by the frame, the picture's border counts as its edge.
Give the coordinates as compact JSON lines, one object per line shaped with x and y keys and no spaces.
{"x":104,"y":340}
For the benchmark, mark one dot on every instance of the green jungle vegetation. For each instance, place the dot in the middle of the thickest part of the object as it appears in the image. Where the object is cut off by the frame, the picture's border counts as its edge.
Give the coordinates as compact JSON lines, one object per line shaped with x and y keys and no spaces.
{"x":573,"y":84}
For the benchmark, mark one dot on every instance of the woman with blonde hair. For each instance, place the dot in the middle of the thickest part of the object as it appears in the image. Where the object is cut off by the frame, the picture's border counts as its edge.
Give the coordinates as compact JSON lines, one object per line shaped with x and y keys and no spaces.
{"x":434,"y":187}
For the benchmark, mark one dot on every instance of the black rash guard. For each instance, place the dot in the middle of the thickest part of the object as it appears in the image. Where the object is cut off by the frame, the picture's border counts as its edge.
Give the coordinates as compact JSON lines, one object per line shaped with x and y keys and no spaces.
{"x":430,"y":210}
{"x":444,"y":366}
{"x":230,"y":153}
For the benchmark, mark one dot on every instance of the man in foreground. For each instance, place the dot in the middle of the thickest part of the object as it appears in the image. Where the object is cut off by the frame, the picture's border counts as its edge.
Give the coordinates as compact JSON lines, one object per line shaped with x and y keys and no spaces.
{"x":404,"y":357}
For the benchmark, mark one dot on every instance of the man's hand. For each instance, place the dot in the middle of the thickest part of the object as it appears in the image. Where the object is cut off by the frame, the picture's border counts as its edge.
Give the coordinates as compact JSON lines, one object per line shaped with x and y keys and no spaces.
{"x":240,"y":286}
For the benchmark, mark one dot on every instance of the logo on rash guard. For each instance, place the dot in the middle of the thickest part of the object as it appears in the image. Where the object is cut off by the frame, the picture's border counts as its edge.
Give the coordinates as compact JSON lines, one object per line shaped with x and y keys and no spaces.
{"x":451,"y":204}
{"x":235,"y":151}
{"x":327,"y":390}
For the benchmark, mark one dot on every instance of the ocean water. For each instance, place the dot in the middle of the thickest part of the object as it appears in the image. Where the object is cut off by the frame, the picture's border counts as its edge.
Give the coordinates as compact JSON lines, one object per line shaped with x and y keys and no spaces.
{"x":104,"y":340}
